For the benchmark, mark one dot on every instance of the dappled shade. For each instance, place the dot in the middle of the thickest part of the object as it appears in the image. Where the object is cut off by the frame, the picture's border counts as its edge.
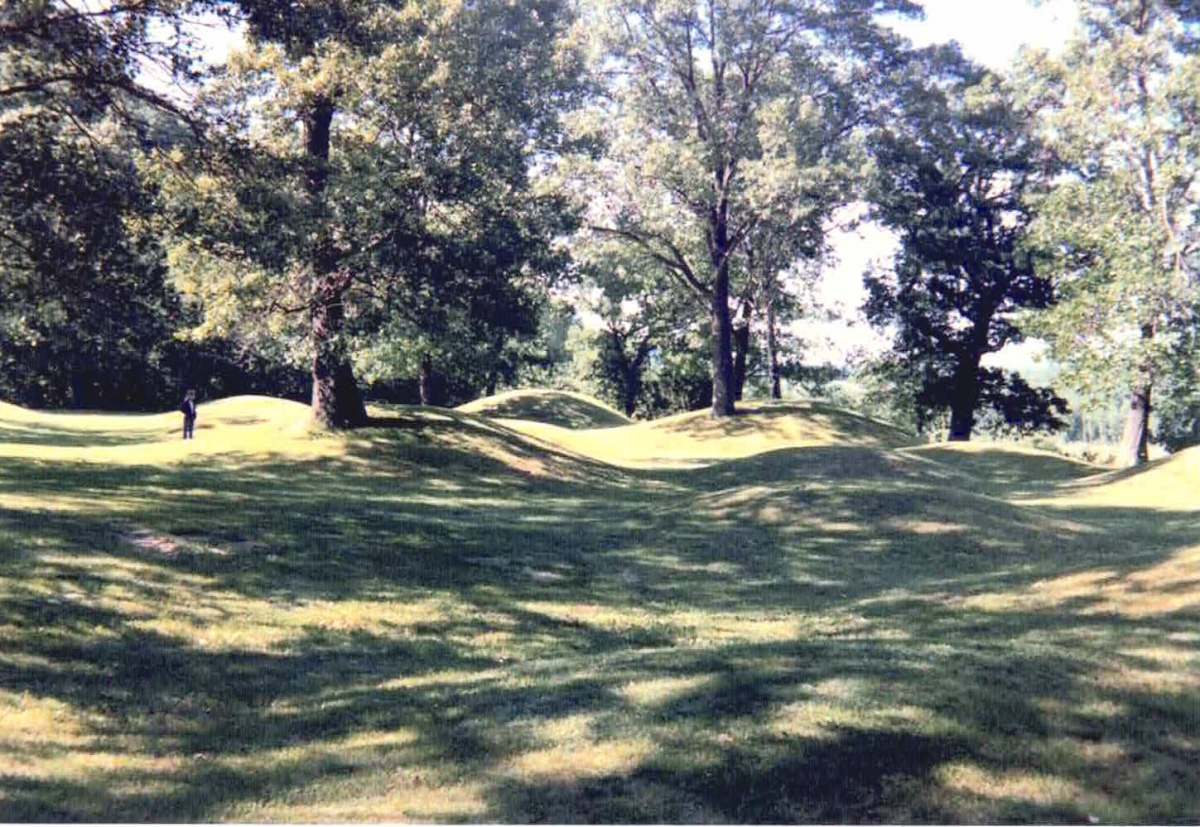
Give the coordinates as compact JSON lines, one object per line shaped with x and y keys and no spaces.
{"x":561,"y":408}
{"x":442,"y":618}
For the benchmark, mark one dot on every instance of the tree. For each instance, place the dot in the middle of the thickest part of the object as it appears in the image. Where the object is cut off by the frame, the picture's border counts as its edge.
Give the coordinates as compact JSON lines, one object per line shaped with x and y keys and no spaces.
{"x":718,"y":114}
{"x":408,"y":187}
{"x":84,"y":307}
{"x":1122,"y":113}
{"x":79,"y":59}
{"x":85,"y":314}
{"x":952,"y":179}
{"x":778,"y":250}
{"x":639,"y":316}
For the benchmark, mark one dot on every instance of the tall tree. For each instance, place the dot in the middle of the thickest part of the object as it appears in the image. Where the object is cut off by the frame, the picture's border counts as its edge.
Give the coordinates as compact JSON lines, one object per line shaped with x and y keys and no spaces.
{"x":1122,"y":112}
{"x":952,"y":179}
{"x":719,"y":113}
{"x":380,"y":161}
{"x":85,"y":313}
{"x":84,"y":307}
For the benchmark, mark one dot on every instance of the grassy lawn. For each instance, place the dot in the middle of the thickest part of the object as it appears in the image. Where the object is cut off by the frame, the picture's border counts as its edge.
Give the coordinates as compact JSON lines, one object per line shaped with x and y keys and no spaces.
{"x":793,"y":616}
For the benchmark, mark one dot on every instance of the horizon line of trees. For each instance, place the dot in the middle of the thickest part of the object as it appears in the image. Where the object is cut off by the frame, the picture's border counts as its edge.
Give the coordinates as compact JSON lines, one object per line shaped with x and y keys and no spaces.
{"x":405,"y":198}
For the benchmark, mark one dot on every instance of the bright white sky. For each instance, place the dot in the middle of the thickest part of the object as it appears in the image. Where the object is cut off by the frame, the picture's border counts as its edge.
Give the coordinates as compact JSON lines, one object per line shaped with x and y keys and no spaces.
{"x":992,"y":32}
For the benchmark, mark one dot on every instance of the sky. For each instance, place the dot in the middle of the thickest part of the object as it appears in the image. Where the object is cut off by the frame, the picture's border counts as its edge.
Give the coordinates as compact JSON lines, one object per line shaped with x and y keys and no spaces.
{"x":991,"y":32}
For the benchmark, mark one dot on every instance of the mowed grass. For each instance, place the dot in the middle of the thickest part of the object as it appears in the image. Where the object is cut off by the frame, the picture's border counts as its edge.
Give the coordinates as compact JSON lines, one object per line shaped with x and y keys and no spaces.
{"x":453,"y":618}
{"x":561,"y":408}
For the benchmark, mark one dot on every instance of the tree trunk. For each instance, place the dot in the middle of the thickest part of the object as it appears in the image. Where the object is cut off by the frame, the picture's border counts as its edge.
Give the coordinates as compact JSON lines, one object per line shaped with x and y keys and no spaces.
{"x":629,"y":391}
{"x":493,"y":373}
{"x":425,"y":380}
{"x":722,"y":333}
{"x":741,"y":349}
{"x":1135,"y":444}
{"x":722,"y":358}
{"x":966,"y":397}
{"x":773,"y":353}
{"x":76,"y":389}
{"x":336,"y":401}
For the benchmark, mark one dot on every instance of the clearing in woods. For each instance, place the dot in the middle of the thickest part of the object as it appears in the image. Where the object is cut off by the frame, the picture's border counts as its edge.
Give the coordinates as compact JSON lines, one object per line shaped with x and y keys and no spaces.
{"x":793,"y":615}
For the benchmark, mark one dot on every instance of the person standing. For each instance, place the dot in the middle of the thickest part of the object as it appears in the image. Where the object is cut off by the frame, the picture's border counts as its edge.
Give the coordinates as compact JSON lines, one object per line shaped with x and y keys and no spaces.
{"x":188,"y":408}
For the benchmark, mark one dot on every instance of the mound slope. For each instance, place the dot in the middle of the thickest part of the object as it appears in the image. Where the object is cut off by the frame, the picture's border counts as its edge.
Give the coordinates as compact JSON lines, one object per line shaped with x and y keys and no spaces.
{"x":694,"y":438}
{"x":561,"y":408}
{"x":249,"y":424}
{"x":1171,"y":483}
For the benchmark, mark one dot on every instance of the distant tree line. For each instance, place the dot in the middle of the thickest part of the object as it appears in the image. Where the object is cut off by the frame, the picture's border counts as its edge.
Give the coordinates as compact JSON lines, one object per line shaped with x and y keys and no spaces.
{"x":424,"y":200}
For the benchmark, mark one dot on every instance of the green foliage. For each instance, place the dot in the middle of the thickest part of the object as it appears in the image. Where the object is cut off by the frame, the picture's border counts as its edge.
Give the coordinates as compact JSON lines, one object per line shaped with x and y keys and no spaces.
{"x":951,"y":179}
{"x":84,"y":310}
{"x":84,"y":60}
{"x":423,"y":228}
{"x":1120,"y":108}
{"x":727,"y":116}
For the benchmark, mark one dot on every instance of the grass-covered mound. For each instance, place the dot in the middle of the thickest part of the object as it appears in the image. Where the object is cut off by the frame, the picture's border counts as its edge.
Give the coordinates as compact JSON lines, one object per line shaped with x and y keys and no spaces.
{"x":561,"y":408}
{"x":442,"y":619}
{"x":1170,"y":483}
{"x":1005,"y":469}
{"x":692,"y":438}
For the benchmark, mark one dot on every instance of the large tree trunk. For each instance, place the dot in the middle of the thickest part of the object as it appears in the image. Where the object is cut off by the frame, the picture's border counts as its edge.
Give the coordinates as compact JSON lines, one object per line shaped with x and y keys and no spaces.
{"x":722,"y":332}
{"x":965,"y":399}
{"x":493,"y":372}
{"x":1135,"y":444}
{"x":336,"y":401}
{"x":722,"y":358}
{"x":741,"y":350}
{"x":629,"y":390}
{"x":773,"y":352}
{"x":426,"y":381}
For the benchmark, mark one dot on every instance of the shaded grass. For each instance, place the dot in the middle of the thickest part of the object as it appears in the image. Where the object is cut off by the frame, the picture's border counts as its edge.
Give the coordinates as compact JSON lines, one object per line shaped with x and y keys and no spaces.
{"x":443,"y":619}
{"x":560,"y":408}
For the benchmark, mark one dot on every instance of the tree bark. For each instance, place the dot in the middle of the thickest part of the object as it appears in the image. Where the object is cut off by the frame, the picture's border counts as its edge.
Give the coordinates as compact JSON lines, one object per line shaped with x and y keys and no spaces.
{"x":493,"y":373}
{"x":336,"y":401}
{"x":965,"y":400}
{"x":426,"y":381}
{"x":1135,"y":444}
{"x":722,"y":358}
{"x":722,"y":332}
{"x":741,"y":349}
{"x":773,"y":352}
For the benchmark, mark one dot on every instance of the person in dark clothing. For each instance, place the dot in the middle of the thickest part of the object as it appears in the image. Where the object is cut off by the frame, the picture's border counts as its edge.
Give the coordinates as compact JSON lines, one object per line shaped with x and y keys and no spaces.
{"x":188,"y":409}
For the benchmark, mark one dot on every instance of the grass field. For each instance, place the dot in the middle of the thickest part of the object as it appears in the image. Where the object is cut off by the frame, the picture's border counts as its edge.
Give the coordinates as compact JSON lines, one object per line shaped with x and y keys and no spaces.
{"x":794,"y":616}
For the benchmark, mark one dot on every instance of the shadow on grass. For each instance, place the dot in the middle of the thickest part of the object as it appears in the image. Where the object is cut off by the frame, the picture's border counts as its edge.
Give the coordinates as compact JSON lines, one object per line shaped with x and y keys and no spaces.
{"x":552,"y":408}
{"x":1007,"y":473}
{"x":831,"y":422}
{"x":911,"y":707}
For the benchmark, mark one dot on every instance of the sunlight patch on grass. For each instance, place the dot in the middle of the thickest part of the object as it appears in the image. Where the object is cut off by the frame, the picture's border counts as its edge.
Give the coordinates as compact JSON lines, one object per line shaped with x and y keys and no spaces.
{"x":572,"y":750}
{"x":656,"y":691}
{"x":406,"y":796}
{"x":928,"y":526}
{"x":1168,"y":484}
{"x":1031,"y":787}
{"x":1180,"y":679}
{"x":1167,"y":587}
